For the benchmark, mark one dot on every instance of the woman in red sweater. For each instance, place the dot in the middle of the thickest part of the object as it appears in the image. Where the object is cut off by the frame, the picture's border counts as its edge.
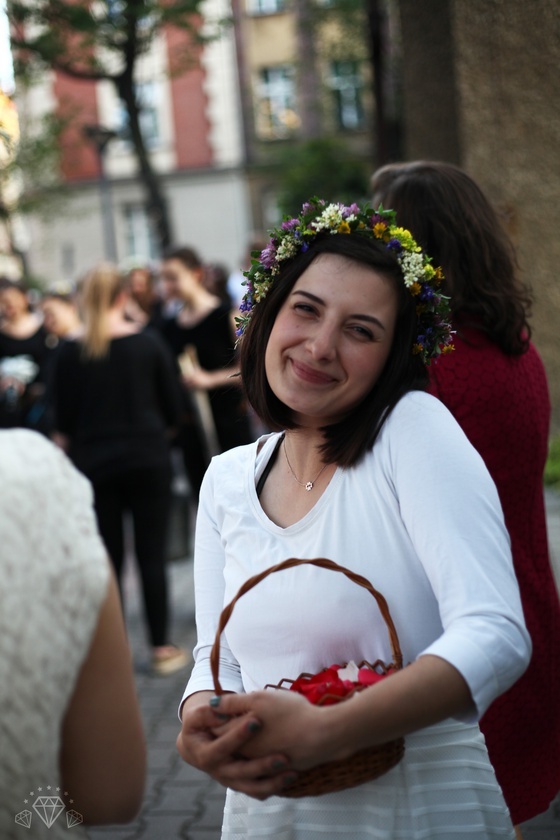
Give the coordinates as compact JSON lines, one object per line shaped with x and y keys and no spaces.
{"x":495,"y":386}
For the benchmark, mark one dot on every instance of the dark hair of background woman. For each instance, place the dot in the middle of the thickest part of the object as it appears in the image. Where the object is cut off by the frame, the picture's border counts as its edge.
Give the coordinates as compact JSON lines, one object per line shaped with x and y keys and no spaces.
{"x":451,"y":218}
{"x":348,"y":440}
{"x":185,"y":255}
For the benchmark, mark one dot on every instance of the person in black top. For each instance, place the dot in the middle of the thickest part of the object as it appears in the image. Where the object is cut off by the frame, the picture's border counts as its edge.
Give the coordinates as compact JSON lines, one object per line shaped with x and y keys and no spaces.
{"x":144,"y":305}
{"x":115,"y":404}
{"x":24,"y":352}
{"x":205,"y":324}
{"x":62,"y":322}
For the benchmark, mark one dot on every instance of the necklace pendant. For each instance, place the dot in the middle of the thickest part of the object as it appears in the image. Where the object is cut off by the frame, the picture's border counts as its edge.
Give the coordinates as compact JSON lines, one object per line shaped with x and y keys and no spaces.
{"x":309,"y":486}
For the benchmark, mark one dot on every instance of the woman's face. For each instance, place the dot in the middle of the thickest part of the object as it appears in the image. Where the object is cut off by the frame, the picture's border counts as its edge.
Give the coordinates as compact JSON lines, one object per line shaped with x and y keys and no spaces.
{"x":13,"y":304}
{"x":178,"y":280}
{"x":58,"y":316}
{"x":331,"y":339}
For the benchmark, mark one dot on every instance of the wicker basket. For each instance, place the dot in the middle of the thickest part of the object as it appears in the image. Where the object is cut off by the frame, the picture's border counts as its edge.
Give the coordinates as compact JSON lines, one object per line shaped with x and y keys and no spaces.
{"x":364,"y":765}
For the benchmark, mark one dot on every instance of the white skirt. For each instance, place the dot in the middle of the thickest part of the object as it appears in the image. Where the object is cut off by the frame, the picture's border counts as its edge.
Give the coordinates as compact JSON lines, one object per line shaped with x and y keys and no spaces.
{"x":444,"y":787}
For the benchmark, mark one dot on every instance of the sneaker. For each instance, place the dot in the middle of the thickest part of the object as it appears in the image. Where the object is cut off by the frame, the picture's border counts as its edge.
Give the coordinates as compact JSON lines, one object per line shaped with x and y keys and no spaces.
{"x":172,"y":659}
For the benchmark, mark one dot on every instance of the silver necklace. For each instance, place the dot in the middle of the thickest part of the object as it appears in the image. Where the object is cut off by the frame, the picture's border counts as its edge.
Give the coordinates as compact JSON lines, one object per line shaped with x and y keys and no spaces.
{"x":307,"y":484}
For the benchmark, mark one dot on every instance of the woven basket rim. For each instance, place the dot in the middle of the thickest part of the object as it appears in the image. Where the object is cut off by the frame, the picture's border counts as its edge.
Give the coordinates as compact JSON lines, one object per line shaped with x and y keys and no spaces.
{"x":365,"y":765}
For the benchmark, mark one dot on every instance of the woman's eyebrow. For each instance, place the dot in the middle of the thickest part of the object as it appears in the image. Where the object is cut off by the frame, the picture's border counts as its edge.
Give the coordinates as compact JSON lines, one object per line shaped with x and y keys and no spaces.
{"x":369,"y":318}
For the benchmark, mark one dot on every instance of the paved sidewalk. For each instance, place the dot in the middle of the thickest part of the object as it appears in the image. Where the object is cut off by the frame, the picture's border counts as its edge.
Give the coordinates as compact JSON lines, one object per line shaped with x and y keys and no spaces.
{"x":179,"y":801}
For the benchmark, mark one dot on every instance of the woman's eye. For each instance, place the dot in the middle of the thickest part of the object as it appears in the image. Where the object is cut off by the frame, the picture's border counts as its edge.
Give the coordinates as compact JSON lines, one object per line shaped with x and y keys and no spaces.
{"x":304,"y":308}
{"x":362,"y":332}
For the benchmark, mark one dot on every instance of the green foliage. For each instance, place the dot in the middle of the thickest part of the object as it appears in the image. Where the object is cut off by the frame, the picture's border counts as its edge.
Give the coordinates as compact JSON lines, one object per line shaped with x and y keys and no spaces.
{"x":322,"y":167}
{"x":72,"y":36}
{"x":34,"y":171}
{"x":5,"y":139}
{"x":552,"y":469}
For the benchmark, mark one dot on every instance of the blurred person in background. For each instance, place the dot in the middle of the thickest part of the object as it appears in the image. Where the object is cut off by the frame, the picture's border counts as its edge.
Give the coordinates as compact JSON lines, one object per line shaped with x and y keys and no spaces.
{"x":62,"y":323}
{"x":24,"y":350}
{"x":60,"y":313}
{"x":116,"y":404}
{"x":144,"y":304}
{"x":215,"y":280}
{"x":495,"y":386}
{"x":69,"y":716}
{"x":206,"y":325}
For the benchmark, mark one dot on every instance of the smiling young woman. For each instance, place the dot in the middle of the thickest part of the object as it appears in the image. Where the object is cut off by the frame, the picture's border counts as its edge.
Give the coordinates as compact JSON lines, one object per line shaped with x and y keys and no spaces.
{"x":342,"y":315}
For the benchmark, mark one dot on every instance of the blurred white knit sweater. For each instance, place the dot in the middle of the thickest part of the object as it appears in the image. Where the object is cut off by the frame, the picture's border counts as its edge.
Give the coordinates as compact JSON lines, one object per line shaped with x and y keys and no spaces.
{"x":53,"y":580}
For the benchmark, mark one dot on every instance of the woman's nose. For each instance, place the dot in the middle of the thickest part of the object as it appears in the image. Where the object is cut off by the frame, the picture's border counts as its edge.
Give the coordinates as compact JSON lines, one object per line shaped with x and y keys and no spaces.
{"x":323,"y":342}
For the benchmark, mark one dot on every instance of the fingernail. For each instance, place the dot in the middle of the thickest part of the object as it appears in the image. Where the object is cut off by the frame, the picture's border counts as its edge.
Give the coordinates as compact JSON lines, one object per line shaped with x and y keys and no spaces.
{"x":254,"y":726}
{"x":289,"y":779}
{"x":279,"y":765}
{"x":215,"y":701}
{"x":221,"y":716}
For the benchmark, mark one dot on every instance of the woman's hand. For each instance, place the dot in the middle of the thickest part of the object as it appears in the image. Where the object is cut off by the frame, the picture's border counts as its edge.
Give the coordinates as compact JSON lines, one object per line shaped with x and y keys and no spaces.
{"x":199,"y":378}
{"x":207,"y":380}
{"x":290,"y":724}
{"x":218,"y":753}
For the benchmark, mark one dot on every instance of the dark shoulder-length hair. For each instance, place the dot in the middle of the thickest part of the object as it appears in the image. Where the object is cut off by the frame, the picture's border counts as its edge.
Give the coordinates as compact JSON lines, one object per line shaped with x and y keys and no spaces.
{"x":185,"y":255}
{"x":451,"y":218}
{"x":348,"y":440}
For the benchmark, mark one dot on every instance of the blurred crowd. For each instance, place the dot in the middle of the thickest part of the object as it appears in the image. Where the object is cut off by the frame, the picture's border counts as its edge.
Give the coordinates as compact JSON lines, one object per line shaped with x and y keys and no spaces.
{"x":133,"y":373}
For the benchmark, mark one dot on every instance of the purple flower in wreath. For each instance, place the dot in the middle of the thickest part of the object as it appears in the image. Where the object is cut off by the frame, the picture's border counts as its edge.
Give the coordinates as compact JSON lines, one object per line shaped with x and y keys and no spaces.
{"x":290,"y":224}
{"x":394,"y":245}
{"x":268,"y":255}
{"x":426,"y":293}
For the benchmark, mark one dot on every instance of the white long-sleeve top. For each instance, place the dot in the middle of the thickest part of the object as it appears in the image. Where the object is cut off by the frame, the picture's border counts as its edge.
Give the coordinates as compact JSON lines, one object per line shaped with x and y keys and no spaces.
{"x":419,"y":517}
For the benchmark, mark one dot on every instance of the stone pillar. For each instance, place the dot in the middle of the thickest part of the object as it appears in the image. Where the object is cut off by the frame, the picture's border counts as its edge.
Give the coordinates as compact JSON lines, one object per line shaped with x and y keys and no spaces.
{"x":431,"y":107}
{"x":482,"y":89}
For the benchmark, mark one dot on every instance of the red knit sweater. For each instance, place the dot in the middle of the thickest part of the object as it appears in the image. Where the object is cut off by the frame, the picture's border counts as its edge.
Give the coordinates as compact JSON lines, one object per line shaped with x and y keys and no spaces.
{"x":502,"y":404}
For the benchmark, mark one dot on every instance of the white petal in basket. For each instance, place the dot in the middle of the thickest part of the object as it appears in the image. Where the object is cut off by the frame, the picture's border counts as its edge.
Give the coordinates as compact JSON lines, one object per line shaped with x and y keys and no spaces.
{"x":349,"y":672}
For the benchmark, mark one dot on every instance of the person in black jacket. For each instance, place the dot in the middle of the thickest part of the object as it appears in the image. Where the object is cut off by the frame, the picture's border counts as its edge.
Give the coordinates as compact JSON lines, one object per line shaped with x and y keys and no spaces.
{"x":116,"y":403}
{"x":205,"y":325}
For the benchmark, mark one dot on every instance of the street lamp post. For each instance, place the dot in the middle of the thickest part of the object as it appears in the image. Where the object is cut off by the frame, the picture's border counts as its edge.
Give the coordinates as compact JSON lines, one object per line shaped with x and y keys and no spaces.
{"x":101,"y":137}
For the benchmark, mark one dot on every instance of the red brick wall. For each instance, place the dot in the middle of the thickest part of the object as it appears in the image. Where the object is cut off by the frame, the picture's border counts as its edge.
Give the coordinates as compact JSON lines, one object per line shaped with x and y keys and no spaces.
{"x":191,"y":125}
{"x":77,"y":100}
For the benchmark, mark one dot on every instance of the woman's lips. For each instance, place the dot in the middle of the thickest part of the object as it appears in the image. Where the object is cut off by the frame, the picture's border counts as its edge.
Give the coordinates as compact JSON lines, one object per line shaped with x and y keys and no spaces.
{"x":311,"y":375}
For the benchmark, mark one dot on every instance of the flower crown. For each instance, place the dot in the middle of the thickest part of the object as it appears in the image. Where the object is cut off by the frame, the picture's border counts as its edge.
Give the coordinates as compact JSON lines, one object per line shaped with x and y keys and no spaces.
{"x":317,"y":217}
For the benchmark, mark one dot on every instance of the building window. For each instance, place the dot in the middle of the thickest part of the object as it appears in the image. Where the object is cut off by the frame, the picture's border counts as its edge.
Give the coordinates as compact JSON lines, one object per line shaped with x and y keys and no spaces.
{"x":147,"y":93}
{"x":265,"y":7}
{"x":275,"y":112}
{"x":346,"y":84}
{"x":139,"y":234}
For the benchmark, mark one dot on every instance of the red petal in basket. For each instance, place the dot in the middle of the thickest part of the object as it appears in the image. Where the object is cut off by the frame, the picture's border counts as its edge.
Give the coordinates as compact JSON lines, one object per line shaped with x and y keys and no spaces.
{"x":317,"y":686}
{"x":327,"y":686}
{"x":368,"y":677}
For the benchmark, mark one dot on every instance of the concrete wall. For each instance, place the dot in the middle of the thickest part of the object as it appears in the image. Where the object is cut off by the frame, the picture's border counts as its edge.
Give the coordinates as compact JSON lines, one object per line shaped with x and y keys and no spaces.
{"x":482,"y":89}
{"x":210,"y":212}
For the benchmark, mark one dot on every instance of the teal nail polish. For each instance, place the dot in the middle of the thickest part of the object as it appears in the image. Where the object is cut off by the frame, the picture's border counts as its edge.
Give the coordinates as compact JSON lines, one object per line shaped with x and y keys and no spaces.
{"x":214,"y":701}
{"x":279,"y":765}
{"x":254,"y":727}
{"x":289,"y":779}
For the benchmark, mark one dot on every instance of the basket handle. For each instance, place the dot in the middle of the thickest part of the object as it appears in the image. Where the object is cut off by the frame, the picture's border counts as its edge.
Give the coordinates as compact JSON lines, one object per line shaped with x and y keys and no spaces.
{"x":289,"y":564}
